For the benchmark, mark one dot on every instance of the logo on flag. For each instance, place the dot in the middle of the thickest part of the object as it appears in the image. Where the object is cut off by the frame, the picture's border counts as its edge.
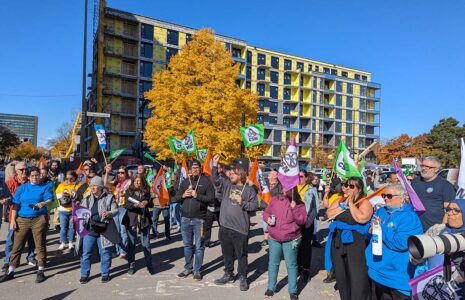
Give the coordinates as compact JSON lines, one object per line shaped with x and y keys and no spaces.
{"x":100,"y":132}
{"x":175,"y":144}
{"x":116,"y":153}
{"x":288,"y":173}
{"x":189,"y":142}
{"x":252,"y":135}
{"x":344,"y":165}
{"x":202,"y":153}
{"x":81,"y":216}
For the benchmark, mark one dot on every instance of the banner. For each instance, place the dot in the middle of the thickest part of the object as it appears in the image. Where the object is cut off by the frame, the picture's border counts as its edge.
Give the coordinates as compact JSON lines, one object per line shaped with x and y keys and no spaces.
{"x":81,"y":216}
{"x":82,"y":177}
{"x":116,"y":153}
{"x":100,"y":132}
{"x":288,"y":173}
{"x":189,"y":142}
{"x":252,"y":135}
{"x":431,"y":285}
{"x":159,"y":188}
{"x":208,"y":164}
{"x":461,"y":179}
{"x":73,"y":134}
{"x":414,"y":199}
{"x":344,"y":165}
{"x":176,"y":145}
{"x":257,"y":178}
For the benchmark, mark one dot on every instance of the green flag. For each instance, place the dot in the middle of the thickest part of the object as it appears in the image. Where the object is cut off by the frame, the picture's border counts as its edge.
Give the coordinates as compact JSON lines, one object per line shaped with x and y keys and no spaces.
{"x":252,"y":135}
{"x":362,"y":170}
{"x":168,"y":178}
{"x":176,"y":145}
{"x":148,"y":156}
{"x":344,"y":165}
{"x":189,"y":142}
{"x":116,"y":153}
{"x":202,"y":154}
{"x":150,"y":177}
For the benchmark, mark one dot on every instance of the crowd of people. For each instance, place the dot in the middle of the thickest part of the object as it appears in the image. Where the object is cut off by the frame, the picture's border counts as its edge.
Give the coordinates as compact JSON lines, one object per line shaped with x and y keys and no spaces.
{"x":124,"y":208}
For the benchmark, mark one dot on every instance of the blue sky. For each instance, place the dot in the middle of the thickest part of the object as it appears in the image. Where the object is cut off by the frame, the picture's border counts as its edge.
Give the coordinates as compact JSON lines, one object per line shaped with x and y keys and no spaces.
{"x":415,"y":49}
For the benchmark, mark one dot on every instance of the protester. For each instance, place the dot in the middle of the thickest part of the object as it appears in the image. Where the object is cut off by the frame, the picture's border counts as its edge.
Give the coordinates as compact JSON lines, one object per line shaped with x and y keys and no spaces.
{"x":66,"y":194}
{"x":13,"y":184}
{"x":138,"y":219}
{"x":5,"y":198}
{"x":213,"y":210}
{"x":392,"y":271}
{"x":284,"y":215}
{"x":29,"y":218}
{"x":141,"y":169}
{"x":164,"y":210}
{"x":54,"y":174}
{"x":275,"y":189}
{"x":195,"y":193}
{"x":10,"y":170}
{"x":102,"y":230}
{"x":310,"y":199}
{"x":345,"y":248}
{"x":84,"y":190}
{"x":238,"y":199}
{"x":393,"y":178}
{"x":433,"y":191}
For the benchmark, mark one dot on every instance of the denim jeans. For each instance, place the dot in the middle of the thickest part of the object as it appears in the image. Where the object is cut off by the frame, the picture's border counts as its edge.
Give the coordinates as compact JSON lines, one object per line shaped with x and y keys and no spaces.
{"x":66,"y":227}
{"x":121,"y":248}
{"x":276,"y":250}
{"x":88,"y":245}
{"x":175,"y":214}
{"x":145,"y":242}
{"x":192,"y":232}
{"x":31,"y":247}
{"x":166,"y":217}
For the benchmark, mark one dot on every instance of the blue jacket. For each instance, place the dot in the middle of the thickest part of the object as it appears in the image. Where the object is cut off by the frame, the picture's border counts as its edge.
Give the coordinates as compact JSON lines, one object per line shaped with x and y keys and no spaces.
{"x":393,"y":269}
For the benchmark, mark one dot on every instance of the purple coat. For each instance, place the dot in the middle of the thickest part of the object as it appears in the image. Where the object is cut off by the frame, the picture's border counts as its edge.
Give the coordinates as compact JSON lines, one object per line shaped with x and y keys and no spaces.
{"x":288,"y":220}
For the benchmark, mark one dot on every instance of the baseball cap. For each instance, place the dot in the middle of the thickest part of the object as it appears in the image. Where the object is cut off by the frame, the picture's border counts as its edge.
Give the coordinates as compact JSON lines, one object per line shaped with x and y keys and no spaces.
{"x":241,"y":163}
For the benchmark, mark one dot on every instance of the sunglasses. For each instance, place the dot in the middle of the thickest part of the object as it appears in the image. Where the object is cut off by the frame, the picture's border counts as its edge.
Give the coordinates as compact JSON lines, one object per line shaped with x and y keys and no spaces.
{"x":455,"y":210}
{"x":69,"y":178}
{"x":302,"y":176}
{"x":389,"y":196}
{"x":121,"y":172}
{"x":22,"y":170}
{"x":350,"y":186}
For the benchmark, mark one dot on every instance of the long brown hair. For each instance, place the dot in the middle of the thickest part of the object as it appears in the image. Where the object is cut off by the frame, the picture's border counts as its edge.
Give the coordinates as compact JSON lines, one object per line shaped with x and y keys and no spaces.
{"x":144,"y":188}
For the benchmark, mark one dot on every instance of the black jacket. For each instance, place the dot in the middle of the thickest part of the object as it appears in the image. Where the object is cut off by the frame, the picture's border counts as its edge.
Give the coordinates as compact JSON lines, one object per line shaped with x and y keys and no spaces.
{"x":136,"y":216}
{"x":196,"y":207}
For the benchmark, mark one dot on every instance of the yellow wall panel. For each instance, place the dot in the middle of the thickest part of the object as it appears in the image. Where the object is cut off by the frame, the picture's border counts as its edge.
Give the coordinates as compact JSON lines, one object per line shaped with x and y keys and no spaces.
{"x":113,"y":64}
{"x":182,"y":39}
{"x":159,"y":34}
{"x":159,"y":52}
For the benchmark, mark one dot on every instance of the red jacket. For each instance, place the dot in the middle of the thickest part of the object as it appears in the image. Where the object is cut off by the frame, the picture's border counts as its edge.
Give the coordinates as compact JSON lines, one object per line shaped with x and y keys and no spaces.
{"x":12,"y":184}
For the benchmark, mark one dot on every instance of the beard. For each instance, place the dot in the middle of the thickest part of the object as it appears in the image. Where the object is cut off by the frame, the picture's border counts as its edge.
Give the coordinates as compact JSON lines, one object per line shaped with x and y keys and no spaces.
{"x":427,"y":175}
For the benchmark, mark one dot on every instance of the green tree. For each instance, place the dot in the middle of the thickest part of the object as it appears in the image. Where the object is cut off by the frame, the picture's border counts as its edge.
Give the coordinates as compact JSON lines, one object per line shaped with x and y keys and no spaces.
{"x":444,"y":140}
{"x":8,"y":141}
{"x":25,"y":150}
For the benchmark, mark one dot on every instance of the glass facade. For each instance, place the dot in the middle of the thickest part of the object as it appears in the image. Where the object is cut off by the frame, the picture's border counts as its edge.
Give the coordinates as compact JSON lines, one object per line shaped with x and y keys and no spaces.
{"x":25,"y":127}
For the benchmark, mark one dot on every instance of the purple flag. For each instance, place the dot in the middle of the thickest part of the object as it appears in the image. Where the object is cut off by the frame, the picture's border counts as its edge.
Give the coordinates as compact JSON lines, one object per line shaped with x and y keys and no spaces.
{"x":80,"y":216}
{"x":416,"y":202}
{"x":288,"y":173}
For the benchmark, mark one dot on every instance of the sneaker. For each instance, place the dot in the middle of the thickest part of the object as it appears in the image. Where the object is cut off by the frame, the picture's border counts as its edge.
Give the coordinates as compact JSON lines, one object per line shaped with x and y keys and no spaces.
{"x":176,"y":230}
{"x":105,"y":279}
{"x":227,"y":277}
{"x":131,"y":271}
{"x":197,"y":276}
{"x":70,"y":245}
{"x":305,"y":275}
{"x":84,"y":280}
{"x":32,"y":262}
{"x":62,"y":246}
{"x":184,"y":274}
{"x":40,"y":277}
{"x":6,"y":277}
{"x":243,"y":285}
{"x":264,"y":243}
{"x":269,"y":293}
{"x":5,"y":268}
{"x":294,"y":296}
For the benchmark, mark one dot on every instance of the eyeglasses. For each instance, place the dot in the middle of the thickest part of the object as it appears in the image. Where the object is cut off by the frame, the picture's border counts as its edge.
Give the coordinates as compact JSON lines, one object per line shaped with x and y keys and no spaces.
{"x":389,"y":196}
{"x":86,"y":169}
{"x":22,"y":170}
{"x":302,"y":176}
{"x":69,"y":178}
{"x":455,"y":210}
{"x":427,"y":167}
{"x":350,"y":186}
{"x":121,"y":172}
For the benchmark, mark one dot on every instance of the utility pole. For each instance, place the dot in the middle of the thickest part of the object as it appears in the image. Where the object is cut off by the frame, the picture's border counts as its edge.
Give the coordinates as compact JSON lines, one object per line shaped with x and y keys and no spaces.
{"x":83,"y":101}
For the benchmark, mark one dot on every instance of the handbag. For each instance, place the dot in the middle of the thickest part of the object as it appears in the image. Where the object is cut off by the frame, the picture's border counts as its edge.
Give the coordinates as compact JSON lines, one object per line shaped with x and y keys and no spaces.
{"x":97,"y":226}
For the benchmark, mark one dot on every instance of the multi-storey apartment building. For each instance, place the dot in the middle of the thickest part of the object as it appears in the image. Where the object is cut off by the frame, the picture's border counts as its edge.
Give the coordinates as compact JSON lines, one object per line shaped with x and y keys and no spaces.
{"x":24,"y":126}
{"x":318,"y":102}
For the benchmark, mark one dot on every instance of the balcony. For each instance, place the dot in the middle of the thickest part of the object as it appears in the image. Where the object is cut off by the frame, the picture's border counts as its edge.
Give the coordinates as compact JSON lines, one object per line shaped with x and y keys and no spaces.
{"x":127,"y":33}
{"x":238,"y":59}
{"x":374,"y":85}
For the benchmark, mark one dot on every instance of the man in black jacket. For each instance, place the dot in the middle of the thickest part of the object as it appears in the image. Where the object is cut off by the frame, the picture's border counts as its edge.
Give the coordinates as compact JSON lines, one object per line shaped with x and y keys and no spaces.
{"x":195,"y":193}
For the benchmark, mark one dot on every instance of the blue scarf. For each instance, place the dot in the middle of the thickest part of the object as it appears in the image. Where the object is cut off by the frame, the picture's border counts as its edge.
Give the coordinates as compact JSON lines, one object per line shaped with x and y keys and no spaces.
{"x":346,"y":237}
{"x":461,"y":204}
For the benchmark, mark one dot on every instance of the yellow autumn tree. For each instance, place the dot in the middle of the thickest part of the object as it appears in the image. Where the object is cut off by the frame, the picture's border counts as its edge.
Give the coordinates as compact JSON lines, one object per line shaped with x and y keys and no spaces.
{"x":198,"y":91}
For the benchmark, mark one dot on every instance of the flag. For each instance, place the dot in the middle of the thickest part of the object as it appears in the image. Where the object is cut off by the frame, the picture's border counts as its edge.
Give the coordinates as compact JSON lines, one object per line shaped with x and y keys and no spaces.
{"x":362,"y":170}
{"x":150,"y":177}
{"x":116,"y":153}
{"x":41,"y":164}
{"x":344,"y":165}
{"x":168,"y":178}
{"x":81,"y":215}
{"x":100,"y":132}
{"x":256,"y":177}
{"x":432,"y":285}
{"x":414,"y":199}
{"x":82,"y":178}
{"x":288,"y":173}
{"x":159,"y":188}
{"x":150,"y":157}
{"x":189,"y":142}
{"x":252,"y":135}
{"x":323,"y":175}
{"x":184,"y":170}
{"x":208,"y":164}
{"x":461,"y":179}
{"x":202,"y":154}
{"x":176,"y":145}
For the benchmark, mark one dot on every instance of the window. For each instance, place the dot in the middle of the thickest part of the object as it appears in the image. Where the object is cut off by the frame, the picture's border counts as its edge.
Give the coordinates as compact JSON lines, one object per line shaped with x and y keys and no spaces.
{"x":338,"y":113}
{"x":317,"y":68}
{"x":314,"y":97}
{"x":286,"y":108}
{"x":261,"y":59}
{"x":309,"y":68}
{"x":248,"y":72}
{"x":146,"y":50}
{"x":261,"y":89}
{"x":260,"y":119}
{"x":273,"y":108}
{"x":350,"y":88}
{"x":130,"y":49}
{"x":249,"y":57}
{"x":287,"y":64}
{"x":275,"y":62}
{"x":314,"y":110}
{"x":287,"y":122}
{"x":227,"y":46}
{"x":260,"y":74}
{"x":357,"y":76}
{"x":363,"y":90}
{"x":274,"y":92}
{"x":248,"y":85}
{"x":188,"y":37}
{"x":349,"y":128}
{"x":236,"y":52}
{"x":338,"y":86}
{"x":261,"y":105}
{"x":349,"y":114}
{"x":338,"y":100}
{"x":144,"y":86}
{"x":365,"y":78}
{"x":146,"y":31}
{"x":274,"y":76}
{"x":145,"y":69}
{"x":333,"y":72}
{"x":363,"y":104}
{"x":126,"y":141}
{"x":287,"y":94}
{"x":129,"y":87}
{"x":128,"y":68}
{"x":277,"y":150}
{"x":170,"y":52}
{"x":349,"y":141}
{"x":344,"y":74}
{"x":172,"y":37}
{"x":362,"y":116}
{"x":300,"y":66}
{"x":314,"y":124}
{"x":273,"y":120}
{"x":326,"y":70}
{"x":338,"y":127}
{"x":362,"y":129}
{"x":349,"y":102}
{"x":287,"y":78}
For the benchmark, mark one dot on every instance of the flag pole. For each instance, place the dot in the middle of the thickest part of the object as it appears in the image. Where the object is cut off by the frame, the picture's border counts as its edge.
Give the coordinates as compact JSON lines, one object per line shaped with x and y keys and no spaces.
{"x":104,"y":158}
